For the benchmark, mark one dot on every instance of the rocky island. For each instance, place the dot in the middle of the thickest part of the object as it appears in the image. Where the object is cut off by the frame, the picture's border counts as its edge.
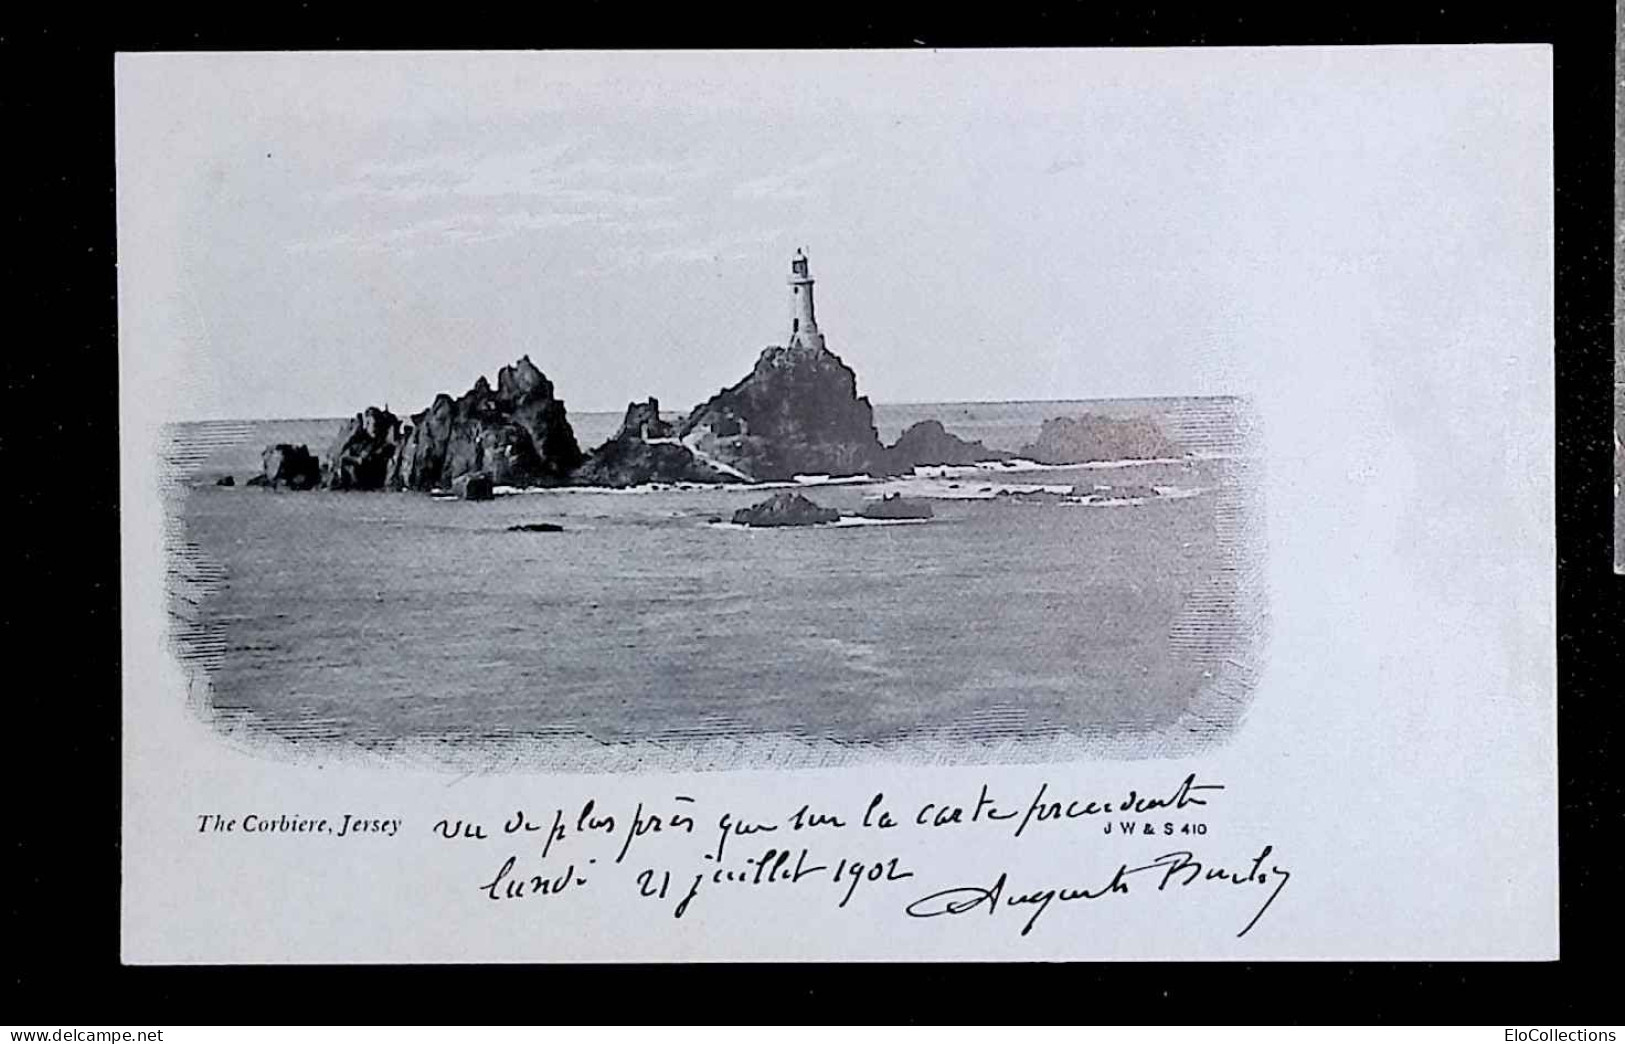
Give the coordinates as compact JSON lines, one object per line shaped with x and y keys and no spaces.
{"x":515,"y":435}
{"x":1092,"y":437}
{"x":894,"y":507}
{"x":294,"y":467}
{"x":928,"y":444}
{"x":785,"y":509}
{"x":646,"y":450}
{"x":797,"y":412}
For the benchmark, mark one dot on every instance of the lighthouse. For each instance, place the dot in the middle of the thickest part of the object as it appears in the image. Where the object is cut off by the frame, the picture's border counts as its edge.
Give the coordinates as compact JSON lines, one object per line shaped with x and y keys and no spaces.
{"x":803,"y":326}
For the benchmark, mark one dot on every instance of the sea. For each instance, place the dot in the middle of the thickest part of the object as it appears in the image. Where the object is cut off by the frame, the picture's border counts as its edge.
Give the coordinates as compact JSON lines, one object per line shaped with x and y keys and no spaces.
{"x":1104,"y":609}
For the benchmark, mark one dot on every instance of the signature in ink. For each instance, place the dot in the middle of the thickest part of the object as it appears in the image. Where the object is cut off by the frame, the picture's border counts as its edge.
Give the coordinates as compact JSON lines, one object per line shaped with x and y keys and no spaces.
{"x":1180,"y":869}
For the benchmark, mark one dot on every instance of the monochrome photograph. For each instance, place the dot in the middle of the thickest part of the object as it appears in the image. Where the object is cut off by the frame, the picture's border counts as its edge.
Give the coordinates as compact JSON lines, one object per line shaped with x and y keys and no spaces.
{"x":607,"y":426}
{"x":987,"y":504}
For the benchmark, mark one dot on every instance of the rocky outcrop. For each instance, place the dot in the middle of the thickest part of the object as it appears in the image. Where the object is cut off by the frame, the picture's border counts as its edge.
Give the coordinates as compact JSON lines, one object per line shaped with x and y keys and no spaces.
{"x":1035,"y":496}
{"x":797,"y":412}
{"x":785,"y":509}
{"x":1092,"y":437}
{"x":361,"y":456}
{"x":473,"y":486}
{"x":643,"y":421}
{"x":928,"y":443}
{"x":895,"y":506}
{"x":645,"y":450}
{"x":288,"y":466}
{"x":635,"y":463}
{"x":225,"y":480}
{"x":536,"y":527}
{"x":518,"y":434}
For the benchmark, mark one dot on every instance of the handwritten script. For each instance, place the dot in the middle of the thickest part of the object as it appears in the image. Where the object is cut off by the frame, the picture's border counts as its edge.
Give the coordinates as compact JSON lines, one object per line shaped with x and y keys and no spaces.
{"x":678,"y":853}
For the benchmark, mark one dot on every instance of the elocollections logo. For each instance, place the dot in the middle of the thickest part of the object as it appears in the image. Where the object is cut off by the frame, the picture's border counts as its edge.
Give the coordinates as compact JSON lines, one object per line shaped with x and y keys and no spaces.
{"x":1525,"y":1036}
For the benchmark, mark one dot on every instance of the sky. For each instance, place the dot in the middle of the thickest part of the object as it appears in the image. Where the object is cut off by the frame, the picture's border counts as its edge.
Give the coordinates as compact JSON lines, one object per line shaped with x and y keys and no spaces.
{"x":302,"y":235}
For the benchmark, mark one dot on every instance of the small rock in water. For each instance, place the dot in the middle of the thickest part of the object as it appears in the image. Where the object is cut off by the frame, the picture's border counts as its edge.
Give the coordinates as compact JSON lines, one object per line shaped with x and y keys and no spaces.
{"x":1034,"y":496}
{"x":785,"y":509}
{"x":475,"y":486}
{"x":287,"y":465}
{"x":897,"y":506}
{"x":536,"y":527}
{"x":225,"y":480}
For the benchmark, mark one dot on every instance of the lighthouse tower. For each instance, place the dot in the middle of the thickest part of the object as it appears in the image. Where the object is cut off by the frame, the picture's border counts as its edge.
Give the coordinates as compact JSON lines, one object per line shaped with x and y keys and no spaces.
{"x":803,"y":327}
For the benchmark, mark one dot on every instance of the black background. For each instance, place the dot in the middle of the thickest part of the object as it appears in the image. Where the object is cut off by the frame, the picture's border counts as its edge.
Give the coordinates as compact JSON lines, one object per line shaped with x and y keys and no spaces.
{"x":60,"y":448}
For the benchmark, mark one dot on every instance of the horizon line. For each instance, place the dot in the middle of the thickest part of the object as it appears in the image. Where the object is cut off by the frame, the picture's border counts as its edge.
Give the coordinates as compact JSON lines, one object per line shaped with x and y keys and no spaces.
{"x":622,"y":409}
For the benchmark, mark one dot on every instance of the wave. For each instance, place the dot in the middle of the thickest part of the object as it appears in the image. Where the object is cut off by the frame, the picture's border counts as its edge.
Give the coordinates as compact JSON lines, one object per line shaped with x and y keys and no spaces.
{"x":1023,"y":493}
{"x":936,"y":490}
{"x":1099,"y":499}
{"x":645,"y":488}
{"x":930,"y":486}
{"x":844,"y":522}
{"x":1136,"y":463}
{"x":817,"y":480}
{"x":852,"y":521}
{"x":1109,"y":502}
{"x":1020,"y":464}
{"x":962,"y":470}
{"x":799,"y":482}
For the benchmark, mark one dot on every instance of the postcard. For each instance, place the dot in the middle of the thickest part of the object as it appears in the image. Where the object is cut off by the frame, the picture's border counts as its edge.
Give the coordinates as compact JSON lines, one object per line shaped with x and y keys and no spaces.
{"x":837,"y":505}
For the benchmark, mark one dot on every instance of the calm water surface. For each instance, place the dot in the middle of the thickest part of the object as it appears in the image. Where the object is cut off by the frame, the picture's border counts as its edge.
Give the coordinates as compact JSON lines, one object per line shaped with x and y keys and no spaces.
{"x":387,"y":618}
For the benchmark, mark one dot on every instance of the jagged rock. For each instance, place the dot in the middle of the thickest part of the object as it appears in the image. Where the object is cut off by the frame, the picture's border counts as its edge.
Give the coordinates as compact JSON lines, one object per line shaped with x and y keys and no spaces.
{"x":292,"y":466}
{"x":928,"y":443}
{"x":225,"y":480}
{"x":528,"y":396}
{"x":643,"y":421}
{"x":536,"y":527}
{"x":896,"y":506}
{"x":518,"y":434}
{"x":620,"y":463}
{"x":785,"y":509}
{"x":474,"y":486}
{"x":1092,"y":437}
{"x":361,"y":456}
{"x":1035,"y":496}
{"x":797,"y":412}
{"x":630,"y":459}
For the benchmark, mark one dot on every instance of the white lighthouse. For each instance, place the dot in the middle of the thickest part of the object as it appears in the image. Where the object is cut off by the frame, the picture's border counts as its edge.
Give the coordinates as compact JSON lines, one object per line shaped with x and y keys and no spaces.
{"x":803,"y":326}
